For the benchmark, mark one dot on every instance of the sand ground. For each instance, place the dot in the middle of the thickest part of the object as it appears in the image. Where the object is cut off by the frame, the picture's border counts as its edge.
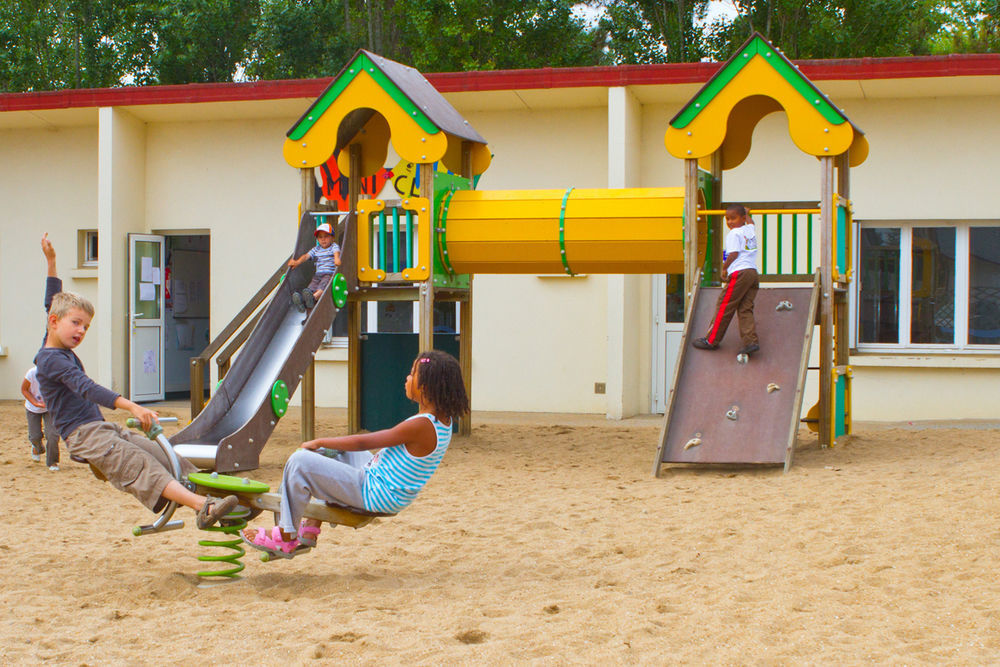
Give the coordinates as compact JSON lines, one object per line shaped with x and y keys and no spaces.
{"x":543,"y":539}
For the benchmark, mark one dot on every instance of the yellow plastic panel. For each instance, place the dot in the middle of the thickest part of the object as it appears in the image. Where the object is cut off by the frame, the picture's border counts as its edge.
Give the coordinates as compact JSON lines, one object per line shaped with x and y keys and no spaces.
{"x":482,"y":156}
{"x":374,"y":141}
{"x":812,"y":133}
{"x":409,"y":140}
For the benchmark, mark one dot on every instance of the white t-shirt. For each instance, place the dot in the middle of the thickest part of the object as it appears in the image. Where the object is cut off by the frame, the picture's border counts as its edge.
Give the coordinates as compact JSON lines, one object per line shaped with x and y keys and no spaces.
{"x":34,"y":390}
{"x":744,"y":241}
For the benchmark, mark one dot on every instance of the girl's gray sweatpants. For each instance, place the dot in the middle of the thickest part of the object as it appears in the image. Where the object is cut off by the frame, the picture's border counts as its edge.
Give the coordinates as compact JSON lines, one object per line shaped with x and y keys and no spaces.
{"x":309,"y":474}
{"x":35,"y":420}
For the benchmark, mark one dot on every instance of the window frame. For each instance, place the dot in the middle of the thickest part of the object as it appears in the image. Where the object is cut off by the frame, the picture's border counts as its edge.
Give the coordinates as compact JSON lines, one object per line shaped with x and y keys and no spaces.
{"x":961,"y":297}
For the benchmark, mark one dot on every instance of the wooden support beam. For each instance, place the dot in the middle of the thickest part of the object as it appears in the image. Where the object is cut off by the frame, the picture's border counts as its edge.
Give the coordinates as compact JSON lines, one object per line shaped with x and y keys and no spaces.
{"x":308,"y":395}
{"x":465,"y":316}
{"x":690,"y":231}
{"x":354,"y":306}
{"x":827,"y":220}
{"x":426,"y":335}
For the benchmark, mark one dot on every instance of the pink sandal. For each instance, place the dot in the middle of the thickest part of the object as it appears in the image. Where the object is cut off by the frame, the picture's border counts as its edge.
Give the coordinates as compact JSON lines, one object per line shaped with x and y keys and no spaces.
{"x":311,"y":531}
{"x":274,"y":545}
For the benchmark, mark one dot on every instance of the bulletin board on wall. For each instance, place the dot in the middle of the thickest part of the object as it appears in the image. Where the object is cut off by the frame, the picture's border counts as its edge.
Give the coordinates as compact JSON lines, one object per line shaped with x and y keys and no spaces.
{"x":189,"y":286}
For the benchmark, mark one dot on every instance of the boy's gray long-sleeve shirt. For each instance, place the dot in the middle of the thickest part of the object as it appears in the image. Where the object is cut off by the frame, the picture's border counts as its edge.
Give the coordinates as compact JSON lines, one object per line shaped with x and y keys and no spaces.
{"x":71,"y":396}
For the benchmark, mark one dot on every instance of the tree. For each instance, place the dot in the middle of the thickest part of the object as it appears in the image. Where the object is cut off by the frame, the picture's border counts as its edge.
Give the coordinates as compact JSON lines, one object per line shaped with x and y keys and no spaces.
{"x":970,"y":26}
{"x":653,"y":31}
{"x":830,"y":29}
{"x":459,"y":35}
{"x":200,"y":41}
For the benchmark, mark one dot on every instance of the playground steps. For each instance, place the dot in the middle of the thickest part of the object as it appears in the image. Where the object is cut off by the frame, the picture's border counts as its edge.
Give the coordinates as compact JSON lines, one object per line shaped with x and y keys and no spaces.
{"x":723,"y":411}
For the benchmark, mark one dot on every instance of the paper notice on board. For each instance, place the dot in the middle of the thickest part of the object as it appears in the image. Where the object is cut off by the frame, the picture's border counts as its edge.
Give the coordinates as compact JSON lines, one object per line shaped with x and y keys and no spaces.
{"x":147,"y":292}
{"x":156,"y":277}
{"x":146,"y":270}
{"x":149,"y":362}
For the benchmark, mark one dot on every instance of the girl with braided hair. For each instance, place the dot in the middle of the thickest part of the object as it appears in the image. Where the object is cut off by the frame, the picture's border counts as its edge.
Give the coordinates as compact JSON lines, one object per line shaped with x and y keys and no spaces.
{"x":345,"y":470}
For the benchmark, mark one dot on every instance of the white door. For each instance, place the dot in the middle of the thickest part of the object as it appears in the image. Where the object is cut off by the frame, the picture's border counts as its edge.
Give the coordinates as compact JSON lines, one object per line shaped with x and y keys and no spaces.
{"x":668,"y":327}
{"x":145,"y":308}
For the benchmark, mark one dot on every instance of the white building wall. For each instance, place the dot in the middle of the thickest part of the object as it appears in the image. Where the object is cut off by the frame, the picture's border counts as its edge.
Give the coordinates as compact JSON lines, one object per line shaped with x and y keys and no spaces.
{"x":48,"y":183}
{"x":541,"y":343}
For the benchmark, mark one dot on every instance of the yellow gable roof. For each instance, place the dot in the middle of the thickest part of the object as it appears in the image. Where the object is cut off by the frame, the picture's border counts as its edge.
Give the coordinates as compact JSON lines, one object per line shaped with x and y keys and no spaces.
{"x":757,"y":81}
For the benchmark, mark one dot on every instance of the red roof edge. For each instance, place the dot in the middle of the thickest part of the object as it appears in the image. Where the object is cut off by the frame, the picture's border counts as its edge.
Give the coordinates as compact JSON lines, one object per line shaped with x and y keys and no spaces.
{"x":522,"y":79}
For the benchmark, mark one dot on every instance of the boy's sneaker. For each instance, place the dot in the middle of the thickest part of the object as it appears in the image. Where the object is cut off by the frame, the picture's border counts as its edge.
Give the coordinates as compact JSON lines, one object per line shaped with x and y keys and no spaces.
{"x":35,"y":457}
{"x":703,"y":344}
{"x":750,"y":349}
{"x":53,"y":468}
{"x":308,"y":299}
{"x":297,"y":301}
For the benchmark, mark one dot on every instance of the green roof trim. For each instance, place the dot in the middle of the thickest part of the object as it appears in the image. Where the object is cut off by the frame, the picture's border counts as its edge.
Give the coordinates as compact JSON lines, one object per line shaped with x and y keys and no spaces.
{"x":347,"y":75}
{"x":757,"y":45}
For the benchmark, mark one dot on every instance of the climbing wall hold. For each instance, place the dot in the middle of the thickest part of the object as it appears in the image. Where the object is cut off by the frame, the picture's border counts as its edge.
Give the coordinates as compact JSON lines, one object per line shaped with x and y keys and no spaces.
{"x":772,"y":387}
{"x":733,"y":413}
{"x":784,"y":305}
{"x":693,"y":442}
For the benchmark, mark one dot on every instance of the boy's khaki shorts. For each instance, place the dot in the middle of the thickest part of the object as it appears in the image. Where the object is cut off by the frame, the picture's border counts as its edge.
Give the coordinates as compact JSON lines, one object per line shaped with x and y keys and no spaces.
{"x":132,"y":462}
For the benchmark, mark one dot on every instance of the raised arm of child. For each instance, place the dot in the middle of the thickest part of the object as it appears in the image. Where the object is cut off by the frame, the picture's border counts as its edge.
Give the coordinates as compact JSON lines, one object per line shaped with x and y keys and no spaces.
{"x":418,"y":435}
{"x":293,"y":262}
{"x":26,"y":392}
{"x":336,"y":258}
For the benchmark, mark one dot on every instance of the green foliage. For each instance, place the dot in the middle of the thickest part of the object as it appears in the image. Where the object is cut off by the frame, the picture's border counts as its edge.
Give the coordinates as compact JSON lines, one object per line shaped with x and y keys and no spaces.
{"x":53,"y":44}
{"x":651,"y":31}
{"x":458,"y":35}
{"x":970,"y":26}
{"x":823,"y":29}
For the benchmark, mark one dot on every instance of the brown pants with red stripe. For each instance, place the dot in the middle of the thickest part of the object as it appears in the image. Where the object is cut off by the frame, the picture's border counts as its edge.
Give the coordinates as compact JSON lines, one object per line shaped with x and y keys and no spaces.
{"x":737,"y":297}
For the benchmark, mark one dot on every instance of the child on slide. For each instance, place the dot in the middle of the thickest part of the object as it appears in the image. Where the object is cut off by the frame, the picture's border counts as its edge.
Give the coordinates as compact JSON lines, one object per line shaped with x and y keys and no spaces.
{"x":386,"y":481}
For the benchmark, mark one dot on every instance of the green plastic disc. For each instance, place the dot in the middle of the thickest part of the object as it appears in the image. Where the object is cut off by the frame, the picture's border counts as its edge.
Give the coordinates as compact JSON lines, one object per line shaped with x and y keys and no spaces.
{"x":214,"y":480}
{"x":279,"y":398}
{"x":339,"y":291}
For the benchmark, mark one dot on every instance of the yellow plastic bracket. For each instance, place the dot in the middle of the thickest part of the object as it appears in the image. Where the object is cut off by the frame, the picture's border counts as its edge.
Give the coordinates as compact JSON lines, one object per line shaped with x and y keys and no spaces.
{"x":366,"y":272}
{"x":423,"y":260}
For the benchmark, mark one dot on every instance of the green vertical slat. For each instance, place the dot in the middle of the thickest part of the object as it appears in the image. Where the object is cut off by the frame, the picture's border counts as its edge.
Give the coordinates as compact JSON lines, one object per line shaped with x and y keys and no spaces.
{"x":382,"y":264}
{"x":409,"y":238}
{"x":763,"y":245}
{"x":840,"y":409}
{"x":795,"y":243}
{"x":778,"y":258}
{"x":809,"y":246}
{"x":395,"y":247}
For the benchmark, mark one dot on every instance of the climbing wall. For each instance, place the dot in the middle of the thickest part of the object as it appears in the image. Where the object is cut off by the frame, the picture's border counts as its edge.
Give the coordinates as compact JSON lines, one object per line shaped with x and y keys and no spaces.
{"x":725,"y":409}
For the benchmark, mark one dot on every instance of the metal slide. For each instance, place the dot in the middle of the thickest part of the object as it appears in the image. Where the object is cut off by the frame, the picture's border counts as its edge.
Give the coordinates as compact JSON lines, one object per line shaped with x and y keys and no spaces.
{"x":725,"y":410}
{"x":228,"y":435}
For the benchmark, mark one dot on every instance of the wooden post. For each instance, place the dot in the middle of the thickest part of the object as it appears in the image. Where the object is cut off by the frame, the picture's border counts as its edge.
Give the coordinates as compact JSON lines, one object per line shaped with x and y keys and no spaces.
{"x":308,"y":426}
{"x":465,"y":316}
{"x":426,"y":336}
{"x":826,"y":321}
{"x":690,"y":231}
{"x":353,"y":305}
{"x":719,"y":231}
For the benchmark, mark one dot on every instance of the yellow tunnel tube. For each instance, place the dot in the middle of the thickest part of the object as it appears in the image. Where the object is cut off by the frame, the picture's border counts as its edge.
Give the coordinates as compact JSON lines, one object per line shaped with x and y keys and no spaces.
{"x":637,"y":230}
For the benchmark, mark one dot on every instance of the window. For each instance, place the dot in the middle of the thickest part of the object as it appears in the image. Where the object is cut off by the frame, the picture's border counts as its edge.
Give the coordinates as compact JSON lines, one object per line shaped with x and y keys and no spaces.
{"x":931,"y":287}
{"x":87,"y":247}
